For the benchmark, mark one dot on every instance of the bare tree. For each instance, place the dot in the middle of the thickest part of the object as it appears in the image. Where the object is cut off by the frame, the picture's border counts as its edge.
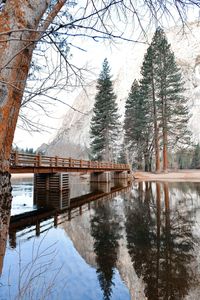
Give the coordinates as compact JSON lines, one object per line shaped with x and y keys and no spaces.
{"x":32,"y":25}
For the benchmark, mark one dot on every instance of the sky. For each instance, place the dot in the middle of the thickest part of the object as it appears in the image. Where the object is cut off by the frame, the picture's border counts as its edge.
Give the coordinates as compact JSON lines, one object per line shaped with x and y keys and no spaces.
{"x":93,"y":55}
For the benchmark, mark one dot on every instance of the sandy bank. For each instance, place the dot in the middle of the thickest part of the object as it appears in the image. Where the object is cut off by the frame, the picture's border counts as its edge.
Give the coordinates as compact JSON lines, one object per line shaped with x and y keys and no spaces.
{"x":22,"y":175}
{"x":181,"y":175}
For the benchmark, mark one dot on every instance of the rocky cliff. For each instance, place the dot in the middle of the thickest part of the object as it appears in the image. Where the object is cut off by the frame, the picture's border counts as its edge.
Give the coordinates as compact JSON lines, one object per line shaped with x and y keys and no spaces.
{"x":72,"y":138}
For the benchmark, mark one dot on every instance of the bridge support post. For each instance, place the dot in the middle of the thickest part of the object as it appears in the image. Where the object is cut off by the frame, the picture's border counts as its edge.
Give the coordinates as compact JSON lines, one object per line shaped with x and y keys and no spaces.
{"x":52,"y":190}
{"x":121,"y":175}
{"x":100,"y":177}
{"x":104,"y":187}
{"x":51,"y":182}
{"x":120,"y":178}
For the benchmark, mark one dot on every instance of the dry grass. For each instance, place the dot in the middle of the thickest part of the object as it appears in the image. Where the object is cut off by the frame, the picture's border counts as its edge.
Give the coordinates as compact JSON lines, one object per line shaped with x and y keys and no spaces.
{"x":180,"y":175}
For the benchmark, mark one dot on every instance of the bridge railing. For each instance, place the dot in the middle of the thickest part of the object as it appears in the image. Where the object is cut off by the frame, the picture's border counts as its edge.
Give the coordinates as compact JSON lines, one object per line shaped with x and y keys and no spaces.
{"x":36,"y":160}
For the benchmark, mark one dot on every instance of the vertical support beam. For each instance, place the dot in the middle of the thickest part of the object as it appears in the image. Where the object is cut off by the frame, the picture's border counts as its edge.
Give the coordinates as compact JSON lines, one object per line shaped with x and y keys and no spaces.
{"x":52,"y":189}
{"x":61,"y":182}
{"x":39,"y":160}
{"x":121,"y":175}
{"x":56,"y":161}
{"x":16,"y":158}
{"x":120,"y":178}
{"x":70,"y":162}
{"x":104,"y":187}
{"x":100,"y":177}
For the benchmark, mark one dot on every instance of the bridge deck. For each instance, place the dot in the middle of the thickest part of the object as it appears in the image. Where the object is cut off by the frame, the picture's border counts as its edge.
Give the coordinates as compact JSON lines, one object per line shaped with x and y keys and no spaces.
{"x":31,"y":163}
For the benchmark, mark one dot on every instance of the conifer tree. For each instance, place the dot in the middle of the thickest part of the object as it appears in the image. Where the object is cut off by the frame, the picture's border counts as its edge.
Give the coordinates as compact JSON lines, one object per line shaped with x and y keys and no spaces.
{"x":196,"y":157}
{"x":105,"y":126}
{"x":149,"y":97}
{"x":162,"y":87}
{"x":172,"y":107}
{"x":135,"y":124}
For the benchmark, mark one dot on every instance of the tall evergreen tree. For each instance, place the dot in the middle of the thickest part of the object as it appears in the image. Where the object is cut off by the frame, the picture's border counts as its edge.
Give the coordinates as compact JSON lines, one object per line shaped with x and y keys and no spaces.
{"x":149,"y":95}
{"x":162,"y":87}
{"x":104,"y":128}
{"x":196,"y":157}
{"x":135,"y":124}
{"x":169,"y":86}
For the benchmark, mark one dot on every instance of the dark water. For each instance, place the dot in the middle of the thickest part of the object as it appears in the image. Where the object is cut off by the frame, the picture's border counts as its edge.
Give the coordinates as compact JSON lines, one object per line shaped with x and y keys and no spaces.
{"x":129,"y":243}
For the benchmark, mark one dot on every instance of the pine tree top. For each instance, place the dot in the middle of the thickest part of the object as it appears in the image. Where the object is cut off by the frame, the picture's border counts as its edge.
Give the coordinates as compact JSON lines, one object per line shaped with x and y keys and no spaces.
{"x":105,"y":73}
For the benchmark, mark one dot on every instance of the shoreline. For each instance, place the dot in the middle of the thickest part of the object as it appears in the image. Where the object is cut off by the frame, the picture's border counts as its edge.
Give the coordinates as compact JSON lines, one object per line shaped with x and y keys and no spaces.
{"x":180,"y":175}
{"x":22,"y":175}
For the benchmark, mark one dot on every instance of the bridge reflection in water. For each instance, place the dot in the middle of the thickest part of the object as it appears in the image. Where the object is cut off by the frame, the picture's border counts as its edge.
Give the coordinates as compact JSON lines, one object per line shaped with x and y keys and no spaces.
{"x":150,"y":234}
{"x":57,"y":207}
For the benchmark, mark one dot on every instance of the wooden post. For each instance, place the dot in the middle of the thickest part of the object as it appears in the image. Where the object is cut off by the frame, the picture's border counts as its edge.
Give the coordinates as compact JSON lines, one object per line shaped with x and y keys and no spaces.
{"x":16,"y":158}
{"x":70,"y":162}
{"x":39,"y":160}
{"x":56,"y":161}
{"x":81,"y":163}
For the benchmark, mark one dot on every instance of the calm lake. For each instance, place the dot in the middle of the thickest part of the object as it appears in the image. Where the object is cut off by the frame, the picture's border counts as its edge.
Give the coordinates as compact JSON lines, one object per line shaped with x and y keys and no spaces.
{"x":138,"y":241}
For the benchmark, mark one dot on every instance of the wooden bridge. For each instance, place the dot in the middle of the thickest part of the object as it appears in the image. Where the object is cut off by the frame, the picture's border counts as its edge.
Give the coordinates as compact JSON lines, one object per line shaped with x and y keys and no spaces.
{"x":31,"y":163}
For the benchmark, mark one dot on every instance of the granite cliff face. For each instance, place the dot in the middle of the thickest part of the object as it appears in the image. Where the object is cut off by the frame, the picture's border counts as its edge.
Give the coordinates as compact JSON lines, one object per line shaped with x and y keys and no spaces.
{"x":72,"y":138}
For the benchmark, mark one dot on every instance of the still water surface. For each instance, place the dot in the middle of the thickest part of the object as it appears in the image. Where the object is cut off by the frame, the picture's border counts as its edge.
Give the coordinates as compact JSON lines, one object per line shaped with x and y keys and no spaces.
{"x":140,"y":242}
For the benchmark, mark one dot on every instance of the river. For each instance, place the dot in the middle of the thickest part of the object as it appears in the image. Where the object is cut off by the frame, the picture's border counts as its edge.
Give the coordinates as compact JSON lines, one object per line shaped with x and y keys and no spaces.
{"x":138,"y":241}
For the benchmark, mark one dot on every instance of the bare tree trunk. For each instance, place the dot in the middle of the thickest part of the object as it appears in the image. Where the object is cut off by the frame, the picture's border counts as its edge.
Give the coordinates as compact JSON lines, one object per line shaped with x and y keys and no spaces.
{"x":5,"y":206}
{"x":19,"y":32}
{"x":165,"y":156}
{"x":156,"y":130}
{"x":165,"y":140}
{"x":16,"y":49}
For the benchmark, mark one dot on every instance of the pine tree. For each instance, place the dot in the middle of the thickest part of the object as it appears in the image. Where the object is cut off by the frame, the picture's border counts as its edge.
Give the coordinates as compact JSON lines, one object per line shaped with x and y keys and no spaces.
{"x":162,"y":88}
{"x":135,"y":124}
{"x":105,"y":126}
{"x":196,"y":157}
{"x":149,"y":97}
{"x":169,"y":87}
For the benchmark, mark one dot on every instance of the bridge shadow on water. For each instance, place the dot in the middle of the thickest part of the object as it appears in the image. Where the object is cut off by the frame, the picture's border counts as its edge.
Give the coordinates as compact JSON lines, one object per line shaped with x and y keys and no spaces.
{"x":148,"y":231}
{"x":56,"y":207}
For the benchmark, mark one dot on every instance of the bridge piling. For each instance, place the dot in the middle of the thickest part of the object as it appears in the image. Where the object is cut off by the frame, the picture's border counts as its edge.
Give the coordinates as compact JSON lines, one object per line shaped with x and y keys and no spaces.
{"x":121,"y":175}
{"x":50,"y":182}
{"x":100,"y":177}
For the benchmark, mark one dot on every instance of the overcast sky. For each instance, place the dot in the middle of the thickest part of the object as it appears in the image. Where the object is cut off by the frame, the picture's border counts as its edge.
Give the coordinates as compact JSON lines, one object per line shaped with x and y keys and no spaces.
{"x":93,"y":54}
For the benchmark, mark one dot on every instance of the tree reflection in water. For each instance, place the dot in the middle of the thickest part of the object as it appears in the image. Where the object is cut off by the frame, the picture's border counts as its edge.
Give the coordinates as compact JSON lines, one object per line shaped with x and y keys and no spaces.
{"x":5,"y":208}
{"x":160,"y":240}
{"x":105,"y":229}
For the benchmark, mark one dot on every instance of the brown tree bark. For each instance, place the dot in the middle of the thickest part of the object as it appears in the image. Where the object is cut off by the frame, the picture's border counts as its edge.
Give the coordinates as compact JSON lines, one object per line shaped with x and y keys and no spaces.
{"x":165,"y":155}
{"x":164,"y":126}
{"x":156,"y":129}
{"x":5,"y":207}
{"x":19,"y":33}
